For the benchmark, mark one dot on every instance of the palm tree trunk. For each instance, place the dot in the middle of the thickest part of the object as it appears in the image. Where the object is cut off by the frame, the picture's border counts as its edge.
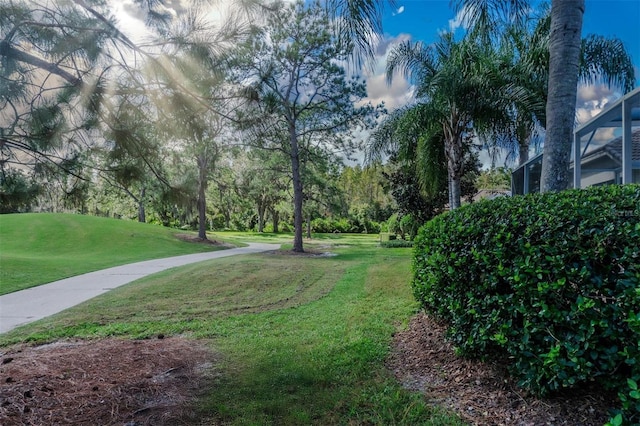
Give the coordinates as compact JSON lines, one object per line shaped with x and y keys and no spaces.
{"x":455,"y":193}
{"x":454,"y":154}
{"x":523,"y":154}
{"x":564,"y":63}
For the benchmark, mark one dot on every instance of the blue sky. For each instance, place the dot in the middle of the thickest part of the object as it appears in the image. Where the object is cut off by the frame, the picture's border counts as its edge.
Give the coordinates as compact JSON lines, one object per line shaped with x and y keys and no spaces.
{"x":423,"y":19}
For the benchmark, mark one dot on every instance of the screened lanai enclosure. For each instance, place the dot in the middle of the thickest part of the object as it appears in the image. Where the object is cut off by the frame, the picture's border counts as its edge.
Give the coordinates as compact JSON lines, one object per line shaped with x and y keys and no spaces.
{"x":605,"y":150}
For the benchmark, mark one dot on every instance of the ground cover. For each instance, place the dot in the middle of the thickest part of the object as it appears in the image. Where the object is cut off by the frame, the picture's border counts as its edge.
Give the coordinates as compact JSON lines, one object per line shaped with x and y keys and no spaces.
{"x":294,"y":339}
{"x":40,"y":248}
{"x":273,"y":338}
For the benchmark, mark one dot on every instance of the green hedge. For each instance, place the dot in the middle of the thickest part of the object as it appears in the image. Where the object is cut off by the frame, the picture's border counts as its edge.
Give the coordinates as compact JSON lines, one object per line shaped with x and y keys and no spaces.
{"x":396,"y":244}
{"x":344,"y":225}
{"x":547,"y":283}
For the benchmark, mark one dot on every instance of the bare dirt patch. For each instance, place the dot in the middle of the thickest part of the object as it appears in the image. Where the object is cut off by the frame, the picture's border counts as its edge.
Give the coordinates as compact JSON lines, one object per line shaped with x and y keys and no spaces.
{"x":481,"y":393}
{"x":104,"y":382}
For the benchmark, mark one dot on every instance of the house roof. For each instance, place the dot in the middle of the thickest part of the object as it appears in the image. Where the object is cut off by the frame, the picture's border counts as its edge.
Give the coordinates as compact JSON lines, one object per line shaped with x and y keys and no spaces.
{"x":614,"y":148}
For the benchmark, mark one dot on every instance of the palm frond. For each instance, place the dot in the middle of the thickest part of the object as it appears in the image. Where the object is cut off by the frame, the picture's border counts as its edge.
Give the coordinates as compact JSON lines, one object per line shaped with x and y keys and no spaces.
{"x":484,"y":18}
{"x":605,"y":60}
{"x":359,"y":23}
{"x":410,"y":60}
{"x":431,"y":164}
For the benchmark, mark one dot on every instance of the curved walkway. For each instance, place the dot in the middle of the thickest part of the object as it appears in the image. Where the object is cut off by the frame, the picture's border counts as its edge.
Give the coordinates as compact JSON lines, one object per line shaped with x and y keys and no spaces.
{"x":25,"y":306}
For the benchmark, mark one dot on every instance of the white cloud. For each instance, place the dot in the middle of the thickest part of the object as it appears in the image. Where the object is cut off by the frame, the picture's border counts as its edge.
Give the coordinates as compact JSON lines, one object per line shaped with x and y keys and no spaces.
{"x":130,"y":19}
{"x":396,"y":94}
{"x":592,"y":99}
{"x":457,"y":22}
{"x":398,"y":11}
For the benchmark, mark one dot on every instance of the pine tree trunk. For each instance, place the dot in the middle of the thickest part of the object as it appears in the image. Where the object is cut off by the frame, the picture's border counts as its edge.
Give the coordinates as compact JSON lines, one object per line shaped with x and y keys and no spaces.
{"x":261,"y":212}
{"x":275,"y":217}
{"x":142,"y":217}
{"x":297,"y":191}
{"x":201,"y":203}
{"x":564,"y":50}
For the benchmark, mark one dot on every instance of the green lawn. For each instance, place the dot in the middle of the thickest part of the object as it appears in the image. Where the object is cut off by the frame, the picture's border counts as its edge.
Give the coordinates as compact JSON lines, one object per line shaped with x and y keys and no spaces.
{"x":41,"y":247}
{"x":303,"y":339}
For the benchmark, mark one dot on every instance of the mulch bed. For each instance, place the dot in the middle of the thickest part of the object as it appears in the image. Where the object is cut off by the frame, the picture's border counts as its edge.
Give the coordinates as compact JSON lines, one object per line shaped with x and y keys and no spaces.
{"x":104,"y":382}
{"x":195,"y":239}
{"x":482,"y":393}
{"x":156,"y":382}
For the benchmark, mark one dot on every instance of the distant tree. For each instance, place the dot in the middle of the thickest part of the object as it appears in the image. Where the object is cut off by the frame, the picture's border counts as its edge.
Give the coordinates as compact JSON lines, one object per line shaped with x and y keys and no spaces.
{"x":322,"y":195}
{"x":366,"y":189}
{"x":227,"y":191}
{"x":264,"y":178}
{"x":130,"y":159}
{"x":494,"y":179}
{"x":17,"y":191}
{"x":303,"y":98}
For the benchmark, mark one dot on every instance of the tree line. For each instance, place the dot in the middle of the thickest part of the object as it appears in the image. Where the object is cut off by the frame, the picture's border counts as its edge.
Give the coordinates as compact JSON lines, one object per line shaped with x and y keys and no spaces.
{"x":250,"y":118}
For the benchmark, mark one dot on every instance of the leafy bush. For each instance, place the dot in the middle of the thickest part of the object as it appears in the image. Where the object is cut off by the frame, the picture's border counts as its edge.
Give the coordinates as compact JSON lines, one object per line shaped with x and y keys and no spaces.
{"x":548,"y":283}
{"x":393,"y":224}
{"x":328,"y":225}
{"x":409,"y":226}
{"x":343,"y":225}
{"x":404,"y":225}
{"x":396,"y":243}
{"x":387,"y":236}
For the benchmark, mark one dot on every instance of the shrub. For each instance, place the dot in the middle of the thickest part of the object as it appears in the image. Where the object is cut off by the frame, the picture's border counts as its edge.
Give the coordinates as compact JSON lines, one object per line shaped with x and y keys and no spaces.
{"x":344,"y":225}
{"x":409,"y":226}
{"x":404,"y":225}
{"x":547,"y":283}
{"x":393,"y":224}
{"x":387,"y":236}
{"x":396,"y":243}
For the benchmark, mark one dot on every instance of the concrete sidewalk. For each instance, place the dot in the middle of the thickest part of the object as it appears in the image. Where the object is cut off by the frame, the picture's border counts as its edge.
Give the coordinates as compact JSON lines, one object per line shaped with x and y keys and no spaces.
{"x":25,"y":306}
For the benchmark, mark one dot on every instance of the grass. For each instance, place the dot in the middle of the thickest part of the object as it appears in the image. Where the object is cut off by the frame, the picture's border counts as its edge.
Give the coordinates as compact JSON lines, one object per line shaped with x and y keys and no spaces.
{"x":40,"y":248}
{"x":303,"y":339}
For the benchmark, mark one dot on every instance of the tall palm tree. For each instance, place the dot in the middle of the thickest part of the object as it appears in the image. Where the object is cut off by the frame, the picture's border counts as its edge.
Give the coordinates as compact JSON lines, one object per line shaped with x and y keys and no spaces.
{"x":564,"y":66}
{"x":602,"y":60}
{"x":510,"y":24}
{"x":460,"y":85}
